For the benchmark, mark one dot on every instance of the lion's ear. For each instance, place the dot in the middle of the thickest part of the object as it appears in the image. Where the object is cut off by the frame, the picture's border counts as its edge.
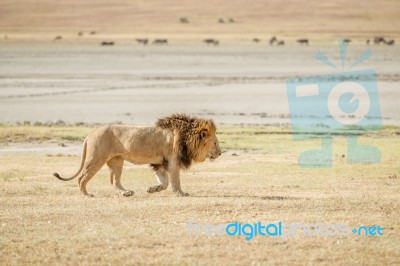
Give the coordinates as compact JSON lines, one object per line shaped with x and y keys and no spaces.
{"x":203,"y":134}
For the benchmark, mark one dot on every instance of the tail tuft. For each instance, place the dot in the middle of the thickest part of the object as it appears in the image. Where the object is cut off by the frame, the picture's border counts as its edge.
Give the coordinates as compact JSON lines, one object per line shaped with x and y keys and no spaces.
{"x":58,"y":176}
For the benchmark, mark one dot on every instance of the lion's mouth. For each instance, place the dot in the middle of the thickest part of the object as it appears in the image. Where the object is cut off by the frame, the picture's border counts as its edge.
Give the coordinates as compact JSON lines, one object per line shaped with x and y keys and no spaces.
{"x":212,"y":158}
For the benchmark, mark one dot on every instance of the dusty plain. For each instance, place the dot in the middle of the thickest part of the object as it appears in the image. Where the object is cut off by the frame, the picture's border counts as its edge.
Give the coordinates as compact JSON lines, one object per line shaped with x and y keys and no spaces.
{"x":47,"y":221}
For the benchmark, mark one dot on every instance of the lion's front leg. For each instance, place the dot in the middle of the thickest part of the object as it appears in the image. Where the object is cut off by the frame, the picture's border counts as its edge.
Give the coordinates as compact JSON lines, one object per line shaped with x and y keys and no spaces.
{"x":174,"y":171}
{"x":162,"y":178}
{"x":115,"y":166}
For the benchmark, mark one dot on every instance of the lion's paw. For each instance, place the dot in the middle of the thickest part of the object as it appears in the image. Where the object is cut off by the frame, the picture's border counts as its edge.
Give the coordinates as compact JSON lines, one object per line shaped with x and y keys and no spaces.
{"x":154,"y":189}
{"x":182,"y":194}
{"x":128,"y":193}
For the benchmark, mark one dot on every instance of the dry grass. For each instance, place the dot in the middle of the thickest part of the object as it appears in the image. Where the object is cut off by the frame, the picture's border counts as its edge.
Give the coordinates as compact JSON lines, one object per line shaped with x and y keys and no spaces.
{"x":18,"y":134}
{"x":46,"y":221}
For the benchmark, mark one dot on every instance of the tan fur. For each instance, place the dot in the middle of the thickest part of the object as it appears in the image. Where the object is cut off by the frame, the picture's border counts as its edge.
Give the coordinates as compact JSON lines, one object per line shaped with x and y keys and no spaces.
{"x":174,"y":143}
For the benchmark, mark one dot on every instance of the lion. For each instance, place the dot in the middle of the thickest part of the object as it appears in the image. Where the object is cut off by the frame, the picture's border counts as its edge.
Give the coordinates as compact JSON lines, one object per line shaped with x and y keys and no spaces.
{"x":174,"y":143}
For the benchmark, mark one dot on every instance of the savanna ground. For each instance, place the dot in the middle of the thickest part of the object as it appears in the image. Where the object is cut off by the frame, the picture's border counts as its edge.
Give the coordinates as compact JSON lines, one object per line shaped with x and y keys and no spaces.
{"x":47,"y":221}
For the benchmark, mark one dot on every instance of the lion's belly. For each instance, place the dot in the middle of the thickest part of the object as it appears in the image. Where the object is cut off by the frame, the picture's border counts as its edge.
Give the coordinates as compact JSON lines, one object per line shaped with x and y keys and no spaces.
{"x":138,"y":155}
{"x":143,"y":145}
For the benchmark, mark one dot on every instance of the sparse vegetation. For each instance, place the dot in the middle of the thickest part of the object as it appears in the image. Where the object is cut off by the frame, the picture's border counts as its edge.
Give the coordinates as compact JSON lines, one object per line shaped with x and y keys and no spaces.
{"x":18,"y":134}
{"x":228,"y":20}
{"x":184,"y":20}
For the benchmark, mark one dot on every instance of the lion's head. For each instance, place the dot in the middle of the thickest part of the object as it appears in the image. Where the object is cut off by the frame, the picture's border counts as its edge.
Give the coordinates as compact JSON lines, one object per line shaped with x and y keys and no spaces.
{"x":196,"y":138}
{"x":211,"y":149}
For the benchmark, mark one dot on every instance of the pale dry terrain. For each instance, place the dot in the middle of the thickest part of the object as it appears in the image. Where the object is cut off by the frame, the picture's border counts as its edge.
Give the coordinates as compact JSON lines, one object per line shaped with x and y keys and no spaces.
{"x":46,"y":221}
{"x":132,"y":84}
{"x":242,"y":20}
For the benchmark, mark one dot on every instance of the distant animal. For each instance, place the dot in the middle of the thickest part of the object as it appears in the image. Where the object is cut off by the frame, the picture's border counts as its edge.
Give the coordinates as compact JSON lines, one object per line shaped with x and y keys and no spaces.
{"x":57,"y":38}
{"x":280,"y":43}
{"x":390,"y":42}
{"x":368,"y":41}
{"x":272,"y":40}
{"x":174,"y":143}
{"x":256,"y":40}
{"x":142,"y":41}
{"x":92,"y":33}
{"x":160,"y":41}
{"x":346,"y":40}
{"x":211,"y":42}
{"x":107,"y":43}
{"x":379,"y":40}
{"x":80,"y":33}
{"x":303,"y":41}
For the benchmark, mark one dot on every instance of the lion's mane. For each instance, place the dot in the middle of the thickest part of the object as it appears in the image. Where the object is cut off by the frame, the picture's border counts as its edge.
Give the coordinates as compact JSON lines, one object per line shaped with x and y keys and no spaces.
{"x":190,"y":134}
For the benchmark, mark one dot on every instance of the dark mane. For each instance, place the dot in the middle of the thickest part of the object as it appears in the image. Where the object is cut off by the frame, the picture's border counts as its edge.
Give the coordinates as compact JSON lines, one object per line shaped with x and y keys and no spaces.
{"x":188,"y":129}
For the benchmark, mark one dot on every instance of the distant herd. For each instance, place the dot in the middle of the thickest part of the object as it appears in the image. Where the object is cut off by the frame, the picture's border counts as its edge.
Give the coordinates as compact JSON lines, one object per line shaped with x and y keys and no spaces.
{"x":273,"y":41}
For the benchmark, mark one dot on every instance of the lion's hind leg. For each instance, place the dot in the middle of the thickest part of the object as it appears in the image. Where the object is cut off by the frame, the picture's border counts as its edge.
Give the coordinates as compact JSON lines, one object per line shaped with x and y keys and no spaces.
{"x":115,"y":166}
{"x":89,"y":170}
{"x":162,"y":179}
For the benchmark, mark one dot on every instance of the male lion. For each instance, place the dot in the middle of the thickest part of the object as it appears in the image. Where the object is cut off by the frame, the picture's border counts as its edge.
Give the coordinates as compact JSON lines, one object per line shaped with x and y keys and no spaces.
{"x":174,"y":143}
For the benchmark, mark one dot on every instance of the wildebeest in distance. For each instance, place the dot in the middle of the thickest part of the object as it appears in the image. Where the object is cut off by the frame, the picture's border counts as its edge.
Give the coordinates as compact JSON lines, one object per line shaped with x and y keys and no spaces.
{"x":160,"y":41}
{"x":390,"y":42}
{"x":142,"y":41}
{"x":57,"y":38}
{"x":211,"y":41}
{"x":379,"y":40}
{"x":107,"y":43}
{"x":303,"y":41}
{"x":273,"y":40}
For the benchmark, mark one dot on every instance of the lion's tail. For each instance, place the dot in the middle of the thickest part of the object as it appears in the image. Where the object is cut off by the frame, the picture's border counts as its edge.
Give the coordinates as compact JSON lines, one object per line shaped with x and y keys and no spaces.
{"x":80,"y":168}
